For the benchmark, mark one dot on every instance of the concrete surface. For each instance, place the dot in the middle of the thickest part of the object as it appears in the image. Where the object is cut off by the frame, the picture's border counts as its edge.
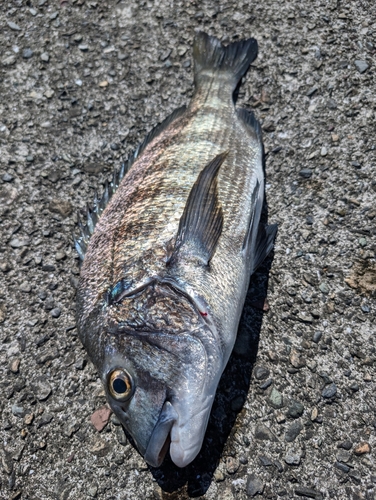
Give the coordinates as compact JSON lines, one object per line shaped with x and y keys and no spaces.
{"x":81,"y":84}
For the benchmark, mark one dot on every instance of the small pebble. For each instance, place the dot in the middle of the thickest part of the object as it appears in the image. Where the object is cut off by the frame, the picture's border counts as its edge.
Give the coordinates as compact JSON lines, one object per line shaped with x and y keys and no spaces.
{"x":25,"y":287}
{"x":92,"y":491}
{"x":316,"y":337}
{"x":263,"y":433}
{"x":232,"y":465}
{"x":255,"y":486}
{"x":8,"y":61}
{"x":60,"y":256}
{"x":83,"y":47}
{"x":306,"y":173}
{"x":100,"y":448}
{"x":45,"y":419}
{"x":45,"y":57}
{"x":17,"y":411}
{"x":362,"y":448}
{"x":346,"y":445}
{"x":261,"y":373}
{"x":266,"y":384}
{"x":27,"y":53}
{"x":293,"y":431}
{"x":331,"y":104}
{"x":314,"y":414}
{"x":361,"y":66}
{"x":7,"y":177}
{"x":41,"y":388}
{"x":265,"y":461}
{"x":363,"y":242}
{"x":295,"y":409}
{"x":329,"y":391}
{"x":280,"y":418}
{"x":13,"y":26}
{"x":342,"y":467}
{"x":292,"y":458}
{"x":305,"y":317}
{"x":218,"y":475}
{"x":80,"y":364}
{"x":312,"y":91}
{"x":324,"y":288}
{"x":303,"y":491}
{"x":276,"y":398}
{"x":15,"y":366}
{"x":296,"y":360}
{"x":343,"y":456}
{"x":100,"y":418}
{"x":55,"y":313}
{"x":28,"y":418}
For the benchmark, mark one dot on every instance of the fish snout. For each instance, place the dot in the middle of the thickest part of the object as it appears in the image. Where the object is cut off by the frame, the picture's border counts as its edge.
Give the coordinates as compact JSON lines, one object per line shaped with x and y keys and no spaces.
{"x":160,"y":439}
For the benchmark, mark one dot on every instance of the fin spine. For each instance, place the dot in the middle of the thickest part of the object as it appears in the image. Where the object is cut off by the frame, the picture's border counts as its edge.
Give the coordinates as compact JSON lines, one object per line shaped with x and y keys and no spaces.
{"x":99,"y":204}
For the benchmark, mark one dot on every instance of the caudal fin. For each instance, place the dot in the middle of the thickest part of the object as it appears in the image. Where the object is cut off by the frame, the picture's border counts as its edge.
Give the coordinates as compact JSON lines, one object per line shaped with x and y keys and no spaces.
{"x":231,"y":61}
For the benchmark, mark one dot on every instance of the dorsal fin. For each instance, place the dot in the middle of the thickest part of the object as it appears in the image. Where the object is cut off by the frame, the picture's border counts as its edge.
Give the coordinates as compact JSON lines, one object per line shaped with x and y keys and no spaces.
{"x":201,"y":223}
{"x":100,"y":204}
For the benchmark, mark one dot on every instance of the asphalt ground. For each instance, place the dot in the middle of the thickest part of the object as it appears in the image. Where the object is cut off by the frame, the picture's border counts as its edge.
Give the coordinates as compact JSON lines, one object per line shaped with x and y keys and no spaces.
{"x":81,"y":83}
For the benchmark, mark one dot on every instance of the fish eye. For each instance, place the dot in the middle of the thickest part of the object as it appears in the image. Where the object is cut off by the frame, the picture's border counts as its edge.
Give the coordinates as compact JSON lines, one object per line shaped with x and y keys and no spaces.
{"x":120,"y":385}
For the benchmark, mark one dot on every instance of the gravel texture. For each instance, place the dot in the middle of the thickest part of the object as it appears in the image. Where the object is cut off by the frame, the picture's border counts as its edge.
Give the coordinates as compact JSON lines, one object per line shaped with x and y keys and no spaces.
{"x":81,"y":83}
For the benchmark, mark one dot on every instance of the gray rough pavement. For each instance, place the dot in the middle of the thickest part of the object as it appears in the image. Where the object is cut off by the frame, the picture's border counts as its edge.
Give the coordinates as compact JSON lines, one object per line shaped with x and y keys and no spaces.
{"x":81,"y":83}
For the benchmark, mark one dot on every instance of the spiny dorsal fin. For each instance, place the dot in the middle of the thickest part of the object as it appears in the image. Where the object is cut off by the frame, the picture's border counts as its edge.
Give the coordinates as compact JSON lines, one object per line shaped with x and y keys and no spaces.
{"x":156,"y":131}
{"x":201,"y":223}
{"x":100,"y":204}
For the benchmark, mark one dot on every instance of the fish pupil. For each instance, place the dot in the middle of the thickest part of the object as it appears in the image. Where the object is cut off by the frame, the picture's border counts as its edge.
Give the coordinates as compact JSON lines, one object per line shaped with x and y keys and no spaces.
{"x":119,"y":386}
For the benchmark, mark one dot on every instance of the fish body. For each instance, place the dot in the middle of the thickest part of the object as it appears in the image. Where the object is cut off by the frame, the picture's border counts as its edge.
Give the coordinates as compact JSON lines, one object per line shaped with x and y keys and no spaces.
{"x":166,"y":270}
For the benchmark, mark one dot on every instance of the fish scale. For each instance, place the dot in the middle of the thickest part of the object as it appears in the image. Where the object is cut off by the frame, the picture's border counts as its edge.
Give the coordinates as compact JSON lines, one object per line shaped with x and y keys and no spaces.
{"x":168,"y":263}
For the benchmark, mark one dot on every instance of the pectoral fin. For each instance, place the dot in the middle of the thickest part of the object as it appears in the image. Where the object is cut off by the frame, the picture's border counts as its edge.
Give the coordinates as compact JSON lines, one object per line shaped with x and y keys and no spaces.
{"x":201,"y":223}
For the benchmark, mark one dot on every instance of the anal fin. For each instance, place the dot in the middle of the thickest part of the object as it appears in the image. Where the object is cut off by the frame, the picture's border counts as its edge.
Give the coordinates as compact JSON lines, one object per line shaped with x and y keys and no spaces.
{"x":259,"y":239}
{"x":201,"y":223}
{"x":264,"y":244}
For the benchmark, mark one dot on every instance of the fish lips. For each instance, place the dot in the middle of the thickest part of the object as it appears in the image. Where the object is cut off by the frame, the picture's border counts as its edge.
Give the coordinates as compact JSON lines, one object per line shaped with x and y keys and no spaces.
{"x":159,"y":441}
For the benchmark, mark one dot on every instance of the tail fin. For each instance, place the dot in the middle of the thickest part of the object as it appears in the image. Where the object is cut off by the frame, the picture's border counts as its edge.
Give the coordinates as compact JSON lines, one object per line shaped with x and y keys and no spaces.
{"x":233,"y":61}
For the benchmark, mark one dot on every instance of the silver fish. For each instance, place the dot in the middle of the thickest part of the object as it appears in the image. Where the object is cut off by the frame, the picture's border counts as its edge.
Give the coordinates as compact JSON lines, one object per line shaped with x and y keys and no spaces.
{"x":167,"y":256}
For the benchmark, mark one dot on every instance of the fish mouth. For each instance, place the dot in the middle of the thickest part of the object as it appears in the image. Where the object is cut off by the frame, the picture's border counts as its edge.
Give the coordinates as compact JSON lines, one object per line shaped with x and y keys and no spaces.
{"x":160,"y":439}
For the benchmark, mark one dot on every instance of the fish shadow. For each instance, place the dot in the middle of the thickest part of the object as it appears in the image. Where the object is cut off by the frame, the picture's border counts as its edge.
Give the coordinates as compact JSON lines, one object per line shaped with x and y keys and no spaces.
{"x":195,"y":479}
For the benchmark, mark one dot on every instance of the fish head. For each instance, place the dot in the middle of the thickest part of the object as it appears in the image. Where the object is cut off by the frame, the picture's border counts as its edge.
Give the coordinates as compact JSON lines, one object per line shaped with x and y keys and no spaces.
{"x":162,"y":388}
{"x":160,"y":362}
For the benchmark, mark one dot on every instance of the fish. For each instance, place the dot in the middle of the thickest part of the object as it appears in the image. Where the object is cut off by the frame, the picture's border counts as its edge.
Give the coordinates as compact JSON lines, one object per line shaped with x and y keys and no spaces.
{"x":167,"y":254}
